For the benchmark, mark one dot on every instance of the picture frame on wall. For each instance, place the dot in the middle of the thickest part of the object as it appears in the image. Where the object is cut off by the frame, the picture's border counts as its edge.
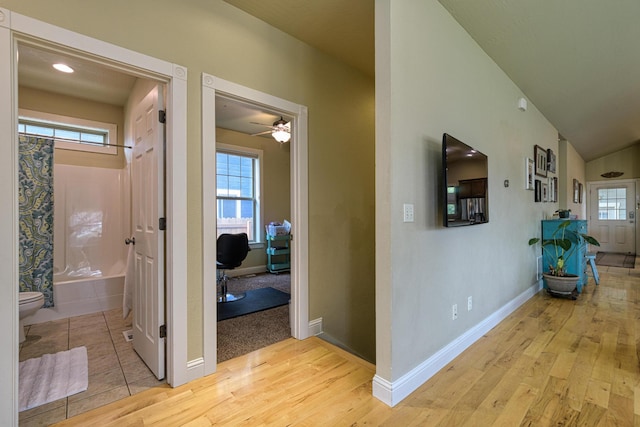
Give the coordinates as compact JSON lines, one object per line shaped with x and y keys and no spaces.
{"x":529,"y":174}
{"x":551,"y":161}
{"x":579,"y":192}
{"x":540,"y":156}
{"x":538,"y":190}
{"x":553,"y":191}
{"x":576,"y":191}
{"x":545,"y":192}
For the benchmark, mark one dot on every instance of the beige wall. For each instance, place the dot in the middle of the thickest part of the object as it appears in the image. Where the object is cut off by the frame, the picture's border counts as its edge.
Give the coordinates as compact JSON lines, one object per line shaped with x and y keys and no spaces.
{"x":626,"y":161}
{"x":52,"y":103}
{"x":276,"y":194}
{"x":431,"y":78}
{"x":572,"y":166}
{"x":213,"y":37}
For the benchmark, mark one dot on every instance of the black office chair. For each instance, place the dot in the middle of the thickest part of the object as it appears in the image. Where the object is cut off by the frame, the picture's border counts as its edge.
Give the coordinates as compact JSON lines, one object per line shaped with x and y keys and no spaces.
{"x":232,"y":250}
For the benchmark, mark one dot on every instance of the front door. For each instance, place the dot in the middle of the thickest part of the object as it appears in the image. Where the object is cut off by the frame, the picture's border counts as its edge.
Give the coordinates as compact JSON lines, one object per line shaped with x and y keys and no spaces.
{"x":612,"y":215}
{"x":148,"y":208}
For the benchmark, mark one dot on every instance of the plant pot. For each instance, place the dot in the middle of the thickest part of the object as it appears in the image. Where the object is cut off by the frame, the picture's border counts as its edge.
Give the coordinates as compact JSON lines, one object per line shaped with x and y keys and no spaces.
{"x":564,"y":285}
{"x":564,"y":214}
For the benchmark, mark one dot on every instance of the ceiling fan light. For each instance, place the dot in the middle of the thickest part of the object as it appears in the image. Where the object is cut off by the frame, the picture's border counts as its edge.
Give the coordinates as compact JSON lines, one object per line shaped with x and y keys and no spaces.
{"x":281,"y":135}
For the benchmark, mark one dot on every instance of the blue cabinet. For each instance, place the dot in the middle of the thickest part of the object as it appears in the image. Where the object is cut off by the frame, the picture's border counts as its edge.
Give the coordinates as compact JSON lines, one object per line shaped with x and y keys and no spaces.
{"x":577,"y":261}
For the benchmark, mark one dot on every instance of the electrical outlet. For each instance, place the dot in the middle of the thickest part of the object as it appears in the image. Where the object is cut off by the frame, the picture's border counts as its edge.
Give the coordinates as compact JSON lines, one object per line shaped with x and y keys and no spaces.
{"x":408,"y":212}
{"x":469,"y":304}
{"x":454,"y":311}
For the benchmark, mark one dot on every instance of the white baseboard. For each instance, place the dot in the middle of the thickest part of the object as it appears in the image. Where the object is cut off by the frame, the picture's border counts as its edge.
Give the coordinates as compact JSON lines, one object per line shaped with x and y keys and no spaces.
{"x":392,"y":393}
{"x":247,"y":270}
{"x":315,"y":327}
{"x":195,"y":369}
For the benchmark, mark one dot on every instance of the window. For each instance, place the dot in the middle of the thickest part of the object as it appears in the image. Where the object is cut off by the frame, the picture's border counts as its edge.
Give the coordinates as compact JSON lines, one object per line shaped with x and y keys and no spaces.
{"x":70,"y":133}
{"x":238,"y":191}
{"x":612,"y":204}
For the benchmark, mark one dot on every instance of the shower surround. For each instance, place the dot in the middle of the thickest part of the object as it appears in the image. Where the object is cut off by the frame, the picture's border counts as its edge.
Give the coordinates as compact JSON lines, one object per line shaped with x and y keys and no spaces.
{"x":91,"y":223}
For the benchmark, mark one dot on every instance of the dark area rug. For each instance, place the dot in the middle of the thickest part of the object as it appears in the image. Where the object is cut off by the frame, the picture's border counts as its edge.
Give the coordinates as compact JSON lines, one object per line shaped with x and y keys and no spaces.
{"x":615,"y":260}
{"x":244,"y":334}
{"x":254,"y":301}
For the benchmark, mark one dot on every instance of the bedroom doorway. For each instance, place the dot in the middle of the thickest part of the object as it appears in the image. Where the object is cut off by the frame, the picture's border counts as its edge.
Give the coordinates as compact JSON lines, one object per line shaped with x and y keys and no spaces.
{"x":214,"y":88}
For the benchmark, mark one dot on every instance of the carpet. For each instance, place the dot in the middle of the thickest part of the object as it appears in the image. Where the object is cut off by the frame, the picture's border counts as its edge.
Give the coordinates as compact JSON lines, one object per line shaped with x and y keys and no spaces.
{"x":52,"y":377}
{"x":255,"y":300}
{"x":615,"y":259}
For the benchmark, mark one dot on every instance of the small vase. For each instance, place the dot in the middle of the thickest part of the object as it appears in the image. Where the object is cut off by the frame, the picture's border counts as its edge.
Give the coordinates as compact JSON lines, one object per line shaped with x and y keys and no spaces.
{"x":563,"y":285}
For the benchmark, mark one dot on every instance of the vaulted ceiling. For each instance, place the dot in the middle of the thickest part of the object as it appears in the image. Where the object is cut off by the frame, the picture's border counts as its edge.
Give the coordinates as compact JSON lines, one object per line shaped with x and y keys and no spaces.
{"x":578,"y":61}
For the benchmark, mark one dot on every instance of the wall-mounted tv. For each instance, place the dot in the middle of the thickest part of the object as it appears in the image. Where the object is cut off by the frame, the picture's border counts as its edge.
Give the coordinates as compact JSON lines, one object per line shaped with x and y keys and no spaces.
{"x":464,"y":184}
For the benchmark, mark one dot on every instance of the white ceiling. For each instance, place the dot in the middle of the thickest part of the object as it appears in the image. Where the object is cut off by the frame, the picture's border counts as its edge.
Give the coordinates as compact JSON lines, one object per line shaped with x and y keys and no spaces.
{"x":578,"y":61}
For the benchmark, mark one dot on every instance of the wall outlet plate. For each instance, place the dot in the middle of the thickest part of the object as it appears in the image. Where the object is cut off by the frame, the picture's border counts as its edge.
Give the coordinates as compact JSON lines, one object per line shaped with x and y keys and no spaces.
{"x":408,"y":212}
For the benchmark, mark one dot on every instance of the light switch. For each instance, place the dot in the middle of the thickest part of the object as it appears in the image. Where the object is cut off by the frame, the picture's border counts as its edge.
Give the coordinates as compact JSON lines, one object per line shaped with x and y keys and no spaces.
{"x":408,"y":212}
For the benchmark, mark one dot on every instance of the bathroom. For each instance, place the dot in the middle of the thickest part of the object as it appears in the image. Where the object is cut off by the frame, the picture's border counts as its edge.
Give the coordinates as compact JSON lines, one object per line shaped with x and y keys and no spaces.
{"x":91,"y":210}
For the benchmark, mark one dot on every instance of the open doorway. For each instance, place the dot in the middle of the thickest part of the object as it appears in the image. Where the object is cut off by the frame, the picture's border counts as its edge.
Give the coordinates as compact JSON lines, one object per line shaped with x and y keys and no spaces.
{"x":218,"y":89}
{"x":23,"y":30}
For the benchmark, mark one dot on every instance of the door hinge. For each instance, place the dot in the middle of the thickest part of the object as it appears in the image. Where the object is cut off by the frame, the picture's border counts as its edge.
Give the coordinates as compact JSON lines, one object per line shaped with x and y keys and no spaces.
{"x":162,"y":224}
{"x":163,"y":331}
{"x":162,"y":116}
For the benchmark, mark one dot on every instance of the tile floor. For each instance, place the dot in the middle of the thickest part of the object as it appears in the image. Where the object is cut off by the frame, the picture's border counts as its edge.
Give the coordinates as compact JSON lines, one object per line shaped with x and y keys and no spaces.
{"x":115,"y":370}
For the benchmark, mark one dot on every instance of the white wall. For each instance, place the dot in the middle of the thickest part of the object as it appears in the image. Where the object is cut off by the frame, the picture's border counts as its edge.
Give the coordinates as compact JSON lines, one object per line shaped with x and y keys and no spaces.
{"x":431,"y":78}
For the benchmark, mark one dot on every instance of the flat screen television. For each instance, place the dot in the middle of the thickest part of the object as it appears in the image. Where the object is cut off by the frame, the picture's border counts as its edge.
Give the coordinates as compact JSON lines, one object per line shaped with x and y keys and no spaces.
{"x":464,"y":184}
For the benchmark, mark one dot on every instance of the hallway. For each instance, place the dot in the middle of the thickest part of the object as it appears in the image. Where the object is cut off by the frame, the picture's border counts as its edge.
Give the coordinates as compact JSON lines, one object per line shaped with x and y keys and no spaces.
{"x":553,"y":361}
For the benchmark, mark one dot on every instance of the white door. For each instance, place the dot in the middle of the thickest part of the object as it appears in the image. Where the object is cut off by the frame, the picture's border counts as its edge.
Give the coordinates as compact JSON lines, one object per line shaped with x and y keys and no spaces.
{"x":612,"y":215}
{"x":148,"y":208}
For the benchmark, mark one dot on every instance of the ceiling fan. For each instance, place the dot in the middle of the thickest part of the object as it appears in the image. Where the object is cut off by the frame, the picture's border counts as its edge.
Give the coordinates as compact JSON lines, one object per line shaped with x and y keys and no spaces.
{"x":280,"y":130}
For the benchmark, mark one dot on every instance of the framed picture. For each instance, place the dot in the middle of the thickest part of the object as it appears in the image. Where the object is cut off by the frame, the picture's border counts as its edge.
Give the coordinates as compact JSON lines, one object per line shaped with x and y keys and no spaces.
{"x":538,"y":185}
{"x":529,"y":174}
{"x":553,"y":189}
{"x":545,"y":192}
{"x":579,"y":192}
{"x":576,"y":191}
{"x":551,"y":161}
{"x":540,"y":156}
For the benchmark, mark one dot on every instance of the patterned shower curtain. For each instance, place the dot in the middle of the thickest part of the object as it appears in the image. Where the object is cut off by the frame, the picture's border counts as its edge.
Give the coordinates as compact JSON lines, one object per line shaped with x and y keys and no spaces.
{"x":35,"y":193}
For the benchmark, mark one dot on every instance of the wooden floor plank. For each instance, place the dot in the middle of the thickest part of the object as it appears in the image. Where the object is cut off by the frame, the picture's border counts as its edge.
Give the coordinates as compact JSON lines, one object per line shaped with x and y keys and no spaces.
{"x":552,"y":362}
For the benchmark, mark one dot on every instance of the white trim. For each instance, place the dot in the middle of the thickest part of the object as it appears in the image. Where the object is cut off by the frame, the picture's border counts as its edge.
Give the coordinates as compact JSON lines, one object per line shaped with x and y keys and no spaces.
{"x":315,"y":326}
{"x":393,"y":392}
{"x":8,"y":226}
{"x":29,"y":30}
{"x":58,"y":119}
{"x":258,"y":155}
{"x":299,"y":209}
{"x":195,"y":369}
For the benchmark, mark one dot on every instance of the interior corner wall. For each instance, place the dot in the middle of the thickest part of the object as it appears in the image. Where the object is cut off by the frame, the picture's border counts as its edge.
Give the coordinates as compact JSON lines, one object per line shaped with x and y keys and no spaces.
{"x":572,"y":167}
{"x":213,"y":37}
{"x":433,"y":78}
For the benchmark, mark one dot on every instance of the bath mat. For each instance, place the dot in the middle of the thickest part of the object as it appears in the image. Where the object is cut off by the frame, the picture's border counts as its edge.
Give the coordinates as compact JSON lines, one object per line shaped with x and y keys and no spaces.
{"x":615,"y":259}
{"x":52,"y":377}
{"x":256,"y":300}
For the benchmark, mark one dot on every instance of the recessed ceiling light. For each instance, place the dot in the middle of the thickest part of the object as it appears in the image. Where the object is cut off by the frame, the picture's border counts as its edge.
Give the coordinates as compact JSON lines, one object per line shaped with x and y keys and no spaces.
{"x":63,"y":67}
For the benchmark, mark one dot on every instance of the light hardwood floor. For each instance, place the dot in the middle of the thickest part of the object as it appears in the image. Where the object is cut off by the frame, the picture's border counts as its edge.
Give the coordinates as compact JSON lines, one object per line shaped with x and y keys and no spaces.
{"x":552,"y":362}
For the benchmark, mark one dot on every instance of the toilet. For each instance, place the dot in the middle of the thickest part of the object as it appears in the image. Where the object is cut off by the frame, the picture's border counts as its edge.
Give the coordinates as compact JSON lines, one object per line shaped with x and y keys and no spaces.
{"x":30,"y":303}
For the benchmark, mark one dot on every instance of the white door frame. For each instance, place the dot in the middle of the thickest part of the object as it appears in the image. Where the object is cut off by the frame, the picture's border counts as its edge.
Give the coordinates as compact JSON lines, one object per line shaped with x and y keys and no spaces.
{"x":14,"y":28}
{"x":636,"y":206}
{"x":299,"y":211}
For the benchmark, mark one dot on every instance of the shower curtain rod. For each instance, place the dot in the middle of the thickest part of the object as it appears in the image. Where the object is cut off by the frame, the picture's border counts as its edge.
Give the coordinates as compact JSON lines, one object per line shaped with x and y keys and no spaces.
{"x":73,"y":141}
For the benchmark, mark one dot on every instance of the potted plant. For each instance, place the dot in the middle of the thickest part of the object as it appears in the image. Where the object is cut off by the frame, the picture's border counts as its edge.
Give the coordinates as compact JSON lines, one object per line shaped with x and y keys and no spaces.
{"x":562,"y":244}
{"x":564,"y":213}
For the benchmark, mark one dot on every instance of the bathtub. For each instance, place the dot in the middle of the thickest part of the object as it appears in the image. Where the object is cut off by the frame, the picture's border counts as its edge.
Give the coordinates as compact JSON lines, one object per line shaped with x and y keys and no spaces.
{"x":76,"y":296}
